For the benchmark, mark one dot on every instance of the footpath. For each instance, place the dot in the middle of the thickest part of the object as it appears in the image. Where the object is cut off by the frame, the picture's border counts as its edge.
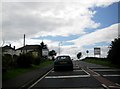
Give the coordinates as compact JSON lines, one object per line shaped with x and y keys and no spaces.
{"x":24,"y":80}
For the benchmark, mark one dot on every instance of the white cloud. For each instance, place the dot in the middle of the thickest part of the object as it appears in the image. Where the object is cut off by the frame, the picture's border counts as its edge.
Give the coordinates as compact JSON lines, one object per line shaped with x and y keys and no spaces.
{"x":102,"y":35}
{"x":60,"y":17}
{"x":41,"y":19}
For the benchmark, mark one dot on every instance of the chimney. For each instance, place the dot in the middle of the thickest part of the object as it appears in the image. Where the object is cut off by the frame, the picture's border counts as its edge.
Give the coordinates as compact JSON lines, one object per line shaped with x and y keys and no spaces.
{"x":14,"y":47}
{"x":10,"y":45}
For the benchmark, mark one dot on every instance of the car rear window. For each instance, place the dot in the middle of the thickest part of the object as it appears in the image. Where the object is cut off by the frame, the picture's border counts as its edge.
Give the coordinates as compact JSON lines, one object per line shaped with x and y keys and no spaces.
{"x":63,"y":57}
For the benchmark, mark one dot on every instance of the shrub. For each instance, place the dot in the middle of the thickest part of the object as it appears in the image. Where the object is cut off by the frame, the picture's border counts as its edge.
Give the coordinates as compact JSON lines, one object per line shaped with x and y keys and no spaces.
{"x":7,"y":61}
{"x":24,"y":60}
{"x":36,"y":60}
{"x":15,"y":57}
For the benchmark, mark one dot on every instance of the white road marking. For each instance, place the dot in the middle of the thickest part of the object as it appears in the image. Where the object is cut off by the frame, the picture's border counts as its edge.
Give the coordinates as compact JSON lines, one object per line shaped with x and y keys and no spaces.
{"x":114,"y":87}
{"x":104,"y":86}
{"x":77,"y":70}
{"x":52,"y":71}
{"x":97,"y":74}
{"x":106,"y":69}
{"x":117,"y":84}
{"x":73,"y":70}
{"x":39,"y":79}
{"x":99,"y":67}
{"x":111,"y":75}
{"x":85,"y":71}
{"x":70,"y":76}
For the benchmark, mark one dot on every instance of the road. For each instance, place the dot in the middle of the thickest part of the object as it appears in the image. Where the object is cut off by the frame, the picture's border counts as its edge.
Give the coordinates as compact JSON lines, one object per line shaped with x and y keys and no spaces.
{"x":84,"y":76}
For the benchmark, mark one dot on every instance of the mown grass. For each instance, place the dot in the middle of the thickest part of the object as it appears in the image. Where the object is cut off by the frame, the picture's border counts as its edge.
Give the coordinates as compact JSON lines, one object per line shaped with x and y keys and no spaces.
{"x":18,"y":71}
{"x":102,"y":62}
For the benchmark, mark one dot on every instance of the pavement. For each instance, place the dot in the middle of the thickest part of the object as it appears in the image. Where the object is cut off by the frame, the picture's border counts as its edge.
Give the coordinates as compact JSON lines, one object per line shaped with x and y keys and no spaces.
{"x":24,"y":80}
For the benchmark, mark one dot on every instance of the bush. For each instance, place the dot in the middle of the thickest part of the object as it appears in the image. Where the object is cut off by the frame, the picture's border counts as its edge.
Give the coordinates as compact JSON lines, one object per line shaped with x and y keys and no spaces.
{"x":7,"y":61}
{"x":24,"y":60}
{"x":15,"y":57}
{"x":36,"y":60}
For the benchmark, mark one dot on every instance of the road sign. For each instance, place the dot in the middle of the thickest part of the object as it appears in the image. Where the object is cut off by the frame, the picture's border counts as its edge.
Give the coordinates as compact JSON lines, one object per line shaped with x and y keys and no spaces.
{"x":97,"y":51}
{"x":45,"y":52}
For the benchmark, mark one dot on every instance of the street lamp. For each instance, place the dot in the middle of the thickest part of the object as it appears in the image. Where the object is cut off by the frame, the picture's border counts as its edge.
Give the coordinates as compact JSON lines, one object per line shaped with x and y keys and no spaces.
{"x":75,"y":50}
{"x":59,"y":46}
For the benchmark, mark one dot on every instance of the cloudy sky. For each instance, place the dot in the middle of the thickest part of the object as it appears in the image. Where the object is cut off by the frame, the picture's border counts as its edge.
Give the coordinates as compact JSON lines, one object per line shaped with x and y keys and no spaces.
{"x":74,"y":26}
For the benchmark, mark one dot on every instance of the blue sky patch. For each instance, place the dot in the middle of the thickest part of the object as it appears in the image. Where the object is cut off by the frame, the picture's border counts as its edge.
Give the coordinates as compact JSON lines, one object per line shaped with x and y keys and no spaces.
{"x":59,"y":38}
{"x":96,"y":45}
{"x":67,"y":43}
{"x":106,"y":16}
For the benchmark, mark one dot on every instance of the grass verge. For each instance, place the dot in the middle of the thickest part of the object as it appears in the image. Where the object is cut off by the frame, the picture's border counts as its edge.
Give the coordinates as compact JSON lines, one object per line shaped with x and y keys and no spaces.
{"x":18,"y":71}
{"x":101,"y":62}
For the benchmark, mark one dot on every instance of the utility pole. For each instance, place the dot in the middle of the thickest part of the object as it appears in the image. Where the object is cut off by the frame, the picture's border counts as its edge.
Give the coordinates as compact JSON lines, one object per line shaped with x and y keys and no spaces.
{"x":24,"y":40}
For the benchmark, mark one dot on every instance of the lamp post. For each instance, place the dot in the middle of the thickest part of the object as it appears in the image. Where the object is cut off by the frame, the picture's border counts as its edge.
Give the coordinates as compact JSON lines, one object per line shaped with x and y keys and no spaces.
{"x":59,"y":47}
{"x":75,"y":50}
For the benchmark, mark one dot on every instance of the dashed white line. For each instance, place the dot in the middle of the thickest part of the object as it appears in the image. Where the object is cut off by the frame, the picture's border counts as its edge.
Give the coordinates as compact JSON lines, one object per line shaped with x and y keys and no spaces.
{"x":70,"y":76}
{"x":99,"y":67}
{"x":111,"y":75}
{"x":73,"y":70}
{"x":106,"y":69}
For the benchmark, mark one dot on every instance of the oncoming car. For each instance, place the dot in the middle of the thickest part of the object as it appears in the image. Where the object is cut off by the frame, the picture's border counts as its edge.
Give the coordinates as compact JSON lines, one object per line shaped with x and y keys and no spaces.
{"x":63,"y":63}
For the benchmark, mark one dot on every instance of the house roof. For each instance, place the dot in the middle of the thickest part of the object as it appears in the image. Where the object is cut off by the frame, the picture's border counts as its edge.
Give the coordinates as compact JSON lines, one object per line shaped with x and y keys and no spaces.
{"x":28,"y":47}
{"x":7,"y":47}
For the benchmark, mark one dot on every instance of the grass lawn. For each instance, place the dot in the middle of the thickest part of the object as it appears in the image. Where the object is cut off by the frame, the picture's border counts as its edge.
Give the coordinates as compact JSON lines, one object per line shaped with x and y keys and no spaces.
{"x":102,"y":62}
{"x":18,"y":71}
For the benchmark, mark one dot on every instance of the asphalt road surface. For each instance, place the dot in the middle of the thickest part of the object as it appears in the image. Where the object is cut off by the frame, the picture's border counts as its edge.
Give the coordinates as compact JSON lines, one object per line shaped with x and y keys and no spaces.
{"x":84,"y":76}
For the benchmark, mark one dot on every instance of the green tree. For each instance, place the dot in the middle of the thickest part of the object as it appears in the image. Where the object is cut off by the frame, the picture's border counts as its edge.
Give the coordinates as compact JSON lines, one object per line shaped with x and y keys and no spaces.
{"x":114,"y":52}
{"x":79,"y":55}
{"x":52,"y":53}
